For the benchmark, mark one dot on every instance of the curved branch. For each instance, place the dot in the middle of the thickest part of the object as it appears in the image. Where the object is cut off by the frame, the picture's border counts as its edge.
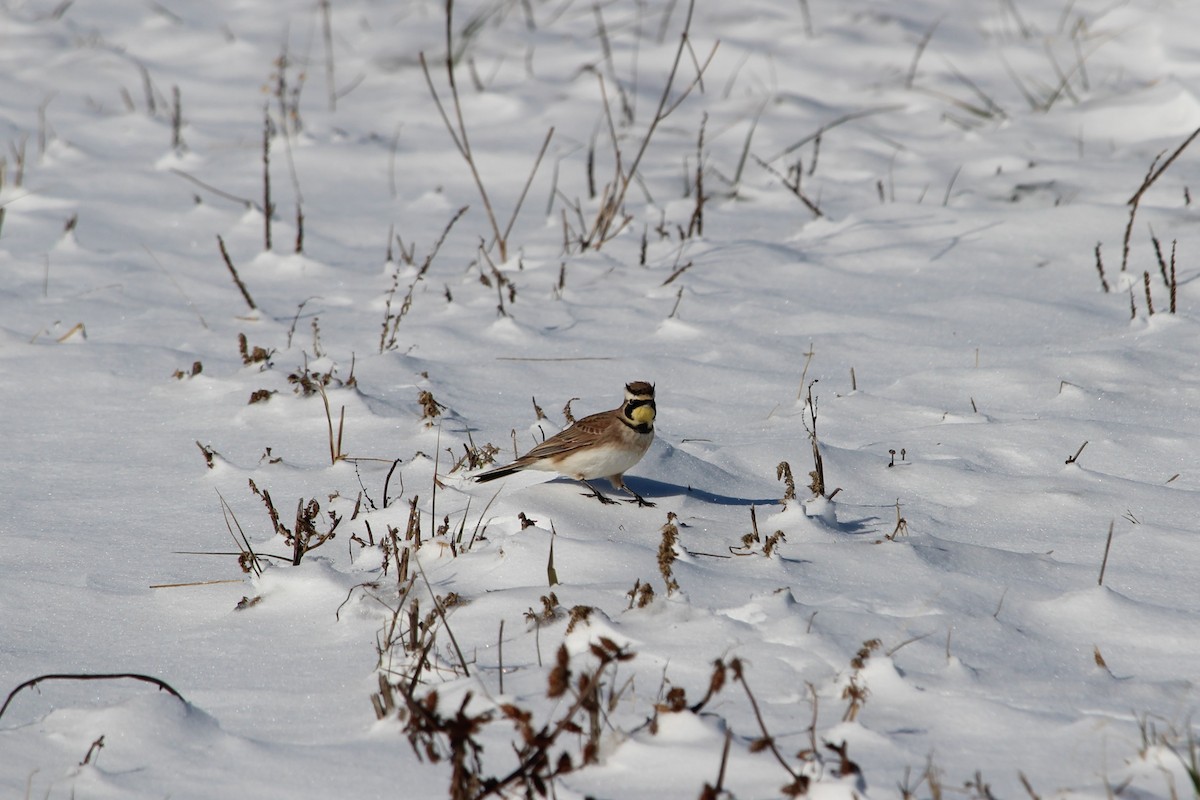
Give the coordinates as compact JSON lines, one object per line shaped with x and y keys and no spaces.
{"x":29,"y":684}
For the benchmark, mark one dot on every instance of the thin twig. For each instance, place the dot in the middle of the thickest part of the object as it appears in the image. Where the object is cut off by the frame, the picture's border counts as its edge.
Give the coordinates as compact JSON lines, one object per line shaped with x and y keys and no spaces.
{"x":921,"y":45}
{"x":736,"y":665}
{"x":163,"y":685}
{"x":1107,"y":545}
{"x":268,"y":206}
{"x":327,"y":35}
{"x":233,"y":271}
{"x":602,"y":230}
{"x":194,"y":583}
{"x":1154,"y":175}
{"x":437,"y":606}
{"x":242,"y":201}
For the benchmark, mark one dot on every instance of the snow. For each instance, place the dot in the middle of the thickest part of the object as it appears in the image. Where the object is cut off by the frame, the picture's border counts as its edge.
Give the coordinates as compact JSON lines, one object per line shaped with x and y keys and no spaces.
{"x":946,"y":306}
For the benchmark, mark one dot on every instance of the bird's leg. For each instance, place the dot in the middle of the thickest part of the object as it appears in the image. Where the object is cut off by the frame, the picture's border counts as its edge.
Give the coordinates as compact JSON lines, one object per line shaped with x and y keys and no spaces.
{"x":619,"y":483}
{"x":596,"y":494}
{"x":637,"y":498}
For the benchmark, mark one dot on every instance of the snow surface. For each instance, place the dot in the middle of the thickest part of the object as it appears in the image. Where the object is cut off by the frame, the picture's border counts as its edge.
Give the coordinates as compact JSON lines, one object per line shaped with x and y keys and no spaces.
{"x":947,"y":304}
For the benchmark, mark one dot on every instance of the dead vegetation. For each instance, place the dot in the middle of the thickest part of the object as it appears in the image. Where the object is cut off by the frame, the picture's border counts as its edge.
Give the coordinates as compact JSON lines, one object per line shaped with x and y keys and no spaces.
{"x":418,"y":653}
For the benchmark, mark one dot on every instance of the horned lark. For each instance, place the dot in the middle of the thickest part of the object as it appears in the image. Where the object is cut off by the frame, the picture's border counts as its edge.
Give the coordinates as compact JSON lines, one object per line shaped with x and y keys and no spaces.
{"x":602,"y":445}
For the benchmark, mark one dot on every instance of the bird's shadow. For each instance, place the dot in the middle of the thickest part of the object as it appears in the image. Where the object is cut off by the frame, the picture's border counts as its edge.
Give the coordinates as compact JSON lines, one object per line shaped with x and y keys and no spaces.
{"x":648,"y":487}
{"x":655,"y":490}
{"x":652,"y":489}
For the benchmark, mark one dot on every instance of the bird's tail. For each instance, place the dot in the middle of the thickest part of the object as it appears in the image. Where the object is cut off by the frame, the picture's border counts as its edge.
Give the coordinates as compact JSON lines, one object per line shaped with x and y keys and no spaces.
{"x":498,"y":472}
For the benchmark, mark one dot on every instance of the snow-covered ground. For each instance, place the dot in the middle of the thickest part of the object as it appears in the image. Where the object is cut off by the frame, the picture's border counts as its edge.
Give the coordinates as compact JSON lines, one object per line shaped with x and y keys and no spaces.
{"x":937,"y":297}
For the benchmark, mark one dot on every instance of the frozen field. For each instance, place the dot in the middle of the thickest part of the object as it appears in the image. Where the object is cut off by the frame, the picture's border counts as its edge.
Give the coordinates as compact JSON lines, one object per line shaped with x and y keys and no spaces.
{"x":247,"y":264}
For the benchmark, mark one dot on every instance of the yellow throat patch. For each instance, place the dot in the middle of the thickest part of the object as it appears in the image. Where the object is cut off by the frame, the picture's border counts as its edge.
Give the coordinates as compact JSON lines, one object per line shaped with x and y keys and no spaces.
{"x":643,"y":415}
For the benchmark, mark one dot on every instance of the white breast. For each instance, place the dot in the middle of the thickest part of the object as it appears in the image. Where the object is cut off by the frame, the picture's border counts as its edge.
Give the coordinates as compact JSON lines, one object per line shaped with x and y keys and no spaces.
{"x":601,"y":462}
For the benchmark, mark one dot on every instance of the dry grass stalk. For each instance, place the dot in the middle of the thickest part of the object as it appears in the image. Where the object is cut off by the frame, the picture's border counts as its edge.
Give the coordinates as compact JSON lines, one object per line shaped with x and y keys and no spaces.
{"x":551,"y":572}
{"x":1153,"y":174}
{"x":791,"y":182}
{"x":800,"y":782}
{"x":247,"y":559}
{"x":541,"y":754}
{"x":33,"y":682}
{"x":1028,"y":786}
{"x":335,"y":445}
{"x":233,"y":271}
{"x":391,"y":321}
{"x":303,"y":536}
{"x":430,"y":409}
{"x":696,"y":223}
{"x":208,"y":452}
{"x":783,"y":472}
{"x":458,"y":134}
{"x":176,"y":121}
{"x":817,"y":475}
{"x":257,"y":355}
{"x":610,"y":219}
{"x":901,"y":528}
{"x":1100,"y":269}
{"x":642,"y":594}
{"x":1158,"y":256}
{"x":268,"y":206}
{"x":1172,"y":282}
{"x":856,"y":692}
{"x":666,"y":553}
{"x":327,"y":37}
{"x":1107,"y":546}
{"x":921,"y":45}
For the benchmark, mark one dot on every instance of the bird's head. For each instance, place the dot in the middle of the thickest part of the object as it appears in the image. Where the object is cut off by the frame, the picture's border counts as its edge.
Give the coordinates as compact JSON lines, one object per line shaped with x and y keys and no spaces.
{"x":639,"y":403}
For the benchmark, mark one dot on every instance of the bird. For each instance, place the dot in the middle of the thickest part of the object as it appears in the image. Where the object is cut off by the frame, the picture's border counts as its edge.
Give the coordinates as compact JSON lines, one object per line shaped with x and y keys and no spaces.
{"x":602,"y":445}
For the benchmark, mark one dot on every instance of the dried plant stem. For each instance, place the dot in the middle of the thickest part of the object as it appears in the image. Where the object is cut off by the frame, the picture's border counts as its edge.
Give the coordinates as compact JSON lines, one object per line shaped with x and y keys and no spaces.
{"x":614,"y":195}
{"x":804,"y":12}
{"x":792,"y":186}
{"x":921,"y":45}
{"x":233,"y":198}
{"x":525,"y":189}
{"x":1173,"y":284}
{"x":1156,"y":170}
{"x":32,"y":682}
{"x":767,"y":739}
{"x":696,"y":224}
{"x":176,"y":120}
{"x":391,"y":320}
{"x":842,"y":120}
{"x":233,"y":271}
{"x":335,"y":445}
{"x":1158,"y":256}
{"x":1104,"y":562}
{"x":1100,"y":269}
{"x":268,"y":206}
{"x":817,"y":485}
{"x":458,"y":134}
{"x":246,"y":555}
{"x":500,"y":654}
{"x":1154,"y":174}
{"x":327,"y":36}
{"x":441,"y":612}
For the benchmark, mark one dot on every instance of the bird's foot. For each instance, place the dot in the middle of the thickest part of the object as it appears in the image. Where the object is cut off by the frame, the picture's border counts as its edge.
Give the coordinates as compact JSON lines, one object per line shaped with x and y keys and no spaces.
{"x":608,"y":501}
{"x":641,"y":501}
